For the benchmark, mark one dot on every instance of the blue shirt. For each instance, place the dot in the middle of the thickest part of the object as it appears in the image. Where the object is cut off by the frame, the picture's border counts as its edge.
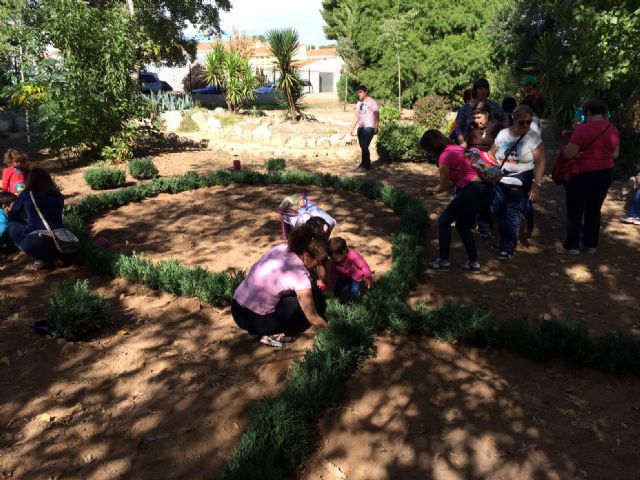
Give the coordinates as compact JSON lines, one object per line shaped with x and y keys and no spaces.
{"x":4,"y":219}
{"x":50,"y":204}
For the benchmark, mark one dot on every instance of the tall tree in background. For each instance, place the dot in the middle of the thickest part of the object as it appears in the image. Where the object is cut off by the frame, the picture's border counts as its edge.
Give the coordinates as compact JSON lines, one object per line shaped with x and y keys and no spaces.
{"x":283,"y":45}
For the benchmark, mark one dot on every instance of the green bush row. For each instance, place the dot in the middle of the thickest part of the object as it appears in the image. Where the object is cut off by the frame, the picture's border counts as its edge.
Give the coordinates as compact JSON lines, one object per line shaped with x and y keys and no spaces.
{"x":101,"y":178}
{"x":275,"y":164}
{"x":399,"y":143}
{"x":540,"y":341}
{"x":142,"y":168}
{"x":76,"y":310}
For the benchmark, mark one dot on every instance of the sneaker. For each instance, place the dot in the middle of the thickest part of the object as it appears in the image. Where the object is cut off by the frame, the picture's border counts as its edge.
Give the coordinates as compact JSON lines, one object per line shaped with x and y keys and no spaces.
{"x":277,"y":340}
{"x":504,"y":255}
{"x":590,"y":251}
{"x":630,"y":220}
{"x":484,"y":234}
{"x":469,"y":266}
{"x":439,"y":264}
{"x":566,"y":251}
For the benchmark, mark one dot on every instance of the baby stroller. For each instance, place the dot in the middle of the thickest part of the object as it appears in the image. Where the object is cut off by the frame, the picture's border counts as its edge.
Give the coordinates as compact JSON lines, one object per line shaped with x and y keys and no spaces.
{"x":297,"y":209}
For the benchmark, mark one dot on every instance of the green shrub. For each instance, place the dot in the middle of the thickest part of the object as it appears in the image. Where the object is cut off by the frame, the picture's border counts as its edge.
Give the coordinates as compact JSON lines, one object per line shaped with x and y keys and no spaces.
{"x":275,"y":164}
{"x":400,"y":143}
{"x":142,"y":168}
{"x":104,"y":178}
{"x":389,"y":115}
{"x":431,"y":111}
{"x":76,"y":310}
{"x":188,"y":124}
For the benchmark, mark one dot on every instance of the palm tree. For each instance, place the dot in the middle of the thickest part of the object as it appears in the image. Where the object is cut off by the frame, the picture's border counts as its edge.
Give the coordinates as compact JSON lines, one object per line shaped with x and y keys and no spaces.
{"x":283,"y":45}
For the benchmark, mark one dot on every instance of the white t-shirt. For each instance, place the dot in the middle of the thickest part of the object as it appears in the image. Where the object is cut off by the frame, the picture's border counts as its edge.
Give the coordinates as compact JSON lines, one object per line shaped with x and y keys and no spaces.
{"x":521,"y":157}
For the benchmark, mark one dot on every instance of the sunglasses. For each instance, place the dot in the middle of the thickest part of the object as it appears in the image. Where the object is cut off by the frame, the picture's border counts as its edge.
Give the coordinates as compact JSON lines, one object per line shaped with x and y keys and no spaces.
{"x":522,"y":123}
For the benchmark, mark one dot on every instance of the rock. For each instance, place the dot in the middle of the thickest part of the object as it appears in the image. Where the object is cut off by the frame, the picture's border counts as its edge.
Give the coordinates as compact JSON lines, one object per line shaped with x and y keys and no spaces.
{"x":172,"y":120}
{"x":311,"y":142}
{"x":200,"y":119}
{"x":348,"y":139}
{"x":213,"y":124}
{"x":277,"y":153}
{"x":219,"y":111}
{"x":297,"y":142}
{"x":322,"y":142}
{"x":334,"y":140}
{"x":262,"y":133}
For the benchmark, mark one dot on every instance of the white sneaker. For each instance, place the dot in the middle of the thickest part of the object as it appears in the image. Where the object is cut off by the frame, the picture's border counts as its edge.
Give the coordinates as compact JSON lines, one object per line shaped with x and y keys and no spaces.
{"x":566,"y":251}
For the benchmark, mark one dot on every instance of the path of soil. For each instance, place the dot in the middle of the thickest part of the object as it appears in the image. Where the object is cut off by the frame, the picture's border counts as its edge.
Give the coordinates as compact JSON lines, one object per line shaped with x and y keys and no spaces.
{"x":177,"y":387}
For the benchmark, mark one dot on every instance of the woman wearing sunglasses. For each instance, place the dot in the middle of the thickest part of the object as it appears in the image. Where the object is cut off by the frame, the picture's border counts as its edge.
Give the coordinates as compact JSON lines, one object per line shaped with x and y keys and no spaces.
{"x":522,"y":151}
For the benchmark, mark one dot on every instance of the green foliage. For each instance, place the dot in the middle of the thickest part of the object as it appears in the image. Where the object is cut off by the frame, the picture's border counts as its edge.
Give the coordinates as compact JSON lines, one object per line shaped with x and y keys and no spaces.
{"x":76,"y":310}
{"x":231,"y":72}
{"x":169,"y":101}
{"x":196,"y":78}
{"x":275,"y":164}
{"x":142,"y":169}
{"x":101,"y":178}
{"x":389,"y":115}
{"x":283,"y":45}
{"x":431,"y":111}
{"x":352,"y":93}
{"x":400,"y":143}
{"x":188,"y":124}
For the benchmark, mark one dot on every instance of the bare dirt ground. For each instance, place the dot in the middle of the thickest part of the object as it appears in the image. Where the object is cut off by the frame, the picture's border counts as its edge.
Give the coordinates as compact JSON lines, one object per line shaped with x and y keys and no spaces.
{"x":168,"y":398}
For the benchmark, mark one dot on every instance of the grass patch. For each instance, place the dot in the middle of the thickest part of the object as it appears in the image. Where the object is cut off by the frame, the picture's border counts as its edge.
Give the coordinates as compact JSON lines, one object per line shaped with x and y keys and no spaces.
{"x":229,"y":120}
{"x":102,"y":178}
{"x":77,"y":311}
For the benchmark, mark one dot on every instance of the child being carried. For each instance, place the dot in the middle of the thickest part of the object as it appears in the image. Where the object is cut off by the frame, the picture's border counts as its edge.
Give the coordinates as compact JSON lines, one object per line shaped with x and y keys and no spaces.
{"x":347,"y":270}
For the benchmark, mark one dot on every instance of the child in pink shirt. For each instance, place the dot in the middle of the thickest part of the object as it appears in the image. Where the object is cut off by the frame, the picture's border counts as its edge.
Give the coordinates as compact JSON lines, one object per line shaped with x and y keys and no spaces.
{"x":347,"y":270}
{"x":14,"y":175}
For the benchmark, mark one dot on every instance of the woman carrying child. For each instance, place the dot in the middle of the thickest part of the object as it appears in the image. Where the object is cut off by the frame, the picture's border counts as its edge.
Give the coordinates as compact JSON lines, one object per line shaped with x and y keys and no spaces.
{"x":473,"y":196}
{"x":13,"y":176}
{"x":277,"y":300}
{"x":348,"y":270}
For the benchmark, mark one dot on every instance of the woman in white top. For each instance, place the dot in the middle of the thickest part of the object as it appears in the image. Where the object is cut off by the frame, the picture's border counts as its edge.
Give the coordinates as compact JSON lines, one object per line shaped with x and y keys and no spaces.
{"x":522,"y":151}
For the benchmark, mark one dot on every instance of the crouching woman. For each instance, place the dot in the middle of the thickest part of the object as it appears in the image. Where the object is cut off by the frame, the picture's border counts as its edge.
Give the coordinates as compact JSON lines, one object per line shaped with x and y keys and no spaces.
{"x":473,"y":195}
{"x":277,"y":300}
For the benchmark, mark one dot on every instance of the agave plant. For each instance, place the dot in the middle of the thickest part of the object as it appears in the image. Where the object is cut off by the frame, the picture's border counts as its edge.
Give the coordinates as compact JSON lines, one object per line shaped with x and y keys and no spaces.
{"x":283,"y":45}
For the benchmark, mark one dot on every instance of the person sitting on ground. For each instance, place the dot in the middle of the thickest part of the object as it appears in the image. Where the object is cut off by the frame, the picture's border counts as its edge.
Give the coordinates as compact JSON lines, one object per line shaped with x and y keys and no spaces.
{"x":480,"y":93}
{"x":473,"y":196}
{"x":13,"y":176}
{"x":31,"y":236}
{"x":348,"y":270}
{"x":277,"y":301}
{"x":631,"y":192}
{"x":521,"y":151}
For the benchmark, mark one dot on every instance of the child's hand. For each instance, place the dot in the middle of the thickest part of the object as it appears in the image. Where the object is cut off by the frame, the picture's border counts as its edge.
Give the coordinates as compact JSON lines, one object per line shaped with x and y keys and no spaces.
{"x":369,"y":283}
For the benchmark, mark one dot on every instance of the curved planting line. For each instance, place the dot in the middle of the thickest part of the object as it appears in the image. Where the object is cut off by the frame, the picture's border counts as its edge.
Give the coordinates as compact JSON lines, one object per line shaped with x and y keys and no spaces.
{"x":280,"y":430}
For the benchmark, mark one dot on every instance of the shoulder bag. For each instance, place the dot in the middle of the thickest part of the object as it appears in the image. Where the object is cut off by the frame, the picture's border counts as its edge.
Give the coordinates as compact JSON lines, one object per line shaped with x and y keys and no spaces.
{"x":564,"y":169}
{"x":63,"y":238}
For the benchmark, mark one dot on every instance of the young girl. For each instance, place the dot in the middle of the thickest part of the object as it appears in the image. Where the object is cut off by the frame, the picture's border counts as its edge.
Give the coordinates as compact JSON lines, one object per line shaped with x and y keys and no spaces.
{"x":13,"y":176}
{"x":347,"y":270}
{"x":5,"y":205}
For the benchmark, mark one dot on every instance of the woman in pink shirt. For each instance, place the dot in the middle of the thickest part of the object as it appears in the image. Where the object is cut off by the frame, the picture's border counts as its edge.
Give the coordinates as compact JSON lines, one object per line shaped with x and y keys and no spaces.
{"x":347,"y":270}
{"x":276,"y":300}
{"x":598,"y":143}
{"x":472,"y":196}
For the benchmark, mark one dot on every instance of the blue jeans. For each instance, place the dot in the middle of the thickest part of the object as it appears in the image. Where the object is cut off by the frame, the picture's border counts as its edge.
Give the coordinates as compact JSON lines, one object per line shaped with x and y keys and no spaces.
{"x":633,"y":210}
{"x":37,"y":247}
{"x":365,"y":135}
{"x":463,"y":210}
{"x":507,"y":207}
{"x":346,"y":289}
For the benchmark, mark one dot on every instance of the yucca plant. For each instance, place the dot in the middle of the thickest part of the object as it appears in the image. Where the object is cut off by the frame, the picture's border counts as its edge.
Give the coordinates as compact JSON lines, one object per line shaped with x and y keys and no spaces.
{"x":283,"y":45}
{"x":232,"y":74}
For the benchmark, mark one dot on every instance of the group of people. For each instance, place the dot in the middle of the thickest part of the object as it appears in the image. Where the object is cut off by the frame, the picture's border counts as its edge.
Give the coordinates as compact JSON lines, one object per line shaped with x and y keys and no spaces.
{"x":511,"y":135}
{"x":283,"y":292}
{"x":31,"y":208}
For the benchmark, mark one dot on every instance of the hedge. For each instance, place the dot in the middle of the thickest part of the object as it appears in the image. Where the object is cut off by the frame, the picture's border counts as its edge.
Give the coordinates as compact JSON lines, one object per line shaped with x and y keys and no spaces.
{"x":101,"y":178}
{"x":399,"y":143}
{"x":142,"y":168}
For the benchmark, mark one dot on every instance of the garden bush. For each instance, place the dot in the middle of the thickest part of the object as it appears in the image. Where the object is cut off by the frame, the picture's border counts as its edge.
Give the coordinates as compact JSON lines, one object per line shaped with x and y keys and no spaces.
{"x":76,"y":310}
{"x":142,"y":169}
{"x":400,"y":143}
{"x":196,"y":78}
{"x":101,"y":178}
{"x":275,"y":164}
{"x":389,"y":115}
{"x":431,"y":111}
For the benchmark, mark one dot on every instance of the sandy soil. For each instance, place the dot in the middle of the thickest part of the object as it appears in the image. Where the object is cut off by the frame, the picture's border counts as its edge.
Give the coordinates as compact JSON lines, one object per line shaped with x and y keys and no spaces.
{"x":183,"y":376}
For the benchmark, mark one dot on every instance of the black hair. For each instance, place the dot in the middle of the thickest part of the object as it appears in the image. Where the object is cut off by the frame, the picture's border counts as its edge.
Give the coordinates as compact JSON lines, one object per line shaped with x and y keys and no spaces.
{"x":319,"y":227}
{"x":6,"y":199}
{"x":479,"y":106}
{"x":509,"y":104}
{"x":39,"y":180}
{"x":480,"y":83}
{"x":595,"y":106}
{"x":302,"y":239}
{"x":338,"y":245}
{"x":361,"y":87}
{"x":434,"y":142}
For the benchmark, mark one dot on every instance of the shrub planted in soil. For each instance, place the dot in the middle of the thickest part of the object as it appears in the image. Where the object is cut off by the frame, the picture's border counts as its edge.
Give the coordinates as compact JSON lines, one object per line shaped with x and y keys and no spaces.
{"x":76,"y":310}
{"x":142,"y":169}
{"x":275,"y":164}
{"x":399,"y":143}
{"x":101,"y":178}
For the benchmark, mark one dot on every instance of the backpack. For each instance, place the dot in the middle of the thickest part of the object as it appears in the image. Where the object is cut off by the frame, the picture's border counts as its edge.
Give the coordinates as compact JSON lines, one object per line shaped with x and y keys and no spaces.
{"x":484,"y":164}
{"x":297,"y":209}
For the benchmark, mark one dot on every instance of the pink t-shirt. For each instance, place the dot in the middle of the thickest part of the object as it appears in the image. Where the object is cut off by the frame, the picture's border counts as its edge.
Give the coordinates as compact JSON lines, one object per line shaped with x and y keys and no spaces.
{"x":12,"y":180}
{"x":277,"y":273}
{"x":460,"y":171}
{"x":599,"y":155}
{"x":353,"y":266}
{"x":365,"y":112}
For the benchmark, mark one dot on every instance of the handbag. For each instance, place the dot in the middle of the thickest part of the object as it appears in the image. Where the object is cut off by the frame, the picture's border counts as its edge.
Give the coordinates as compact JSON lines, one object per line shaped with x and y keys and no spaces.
{"x":63,"y":238}
{"x":564,"y":169}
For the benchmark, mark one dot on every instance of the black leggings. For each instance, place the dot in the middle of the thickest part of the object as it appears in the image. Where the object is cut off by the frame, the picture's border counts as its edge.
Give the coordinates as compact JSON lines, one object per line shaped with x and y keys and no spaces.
{"x":288,"y":318}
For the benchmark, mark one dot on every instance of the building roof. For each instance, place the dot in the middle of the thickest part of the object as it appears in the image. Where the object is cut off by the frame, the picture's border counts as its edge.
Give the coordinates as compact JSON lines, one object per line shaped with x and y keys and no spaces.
{"x":322,"y":52}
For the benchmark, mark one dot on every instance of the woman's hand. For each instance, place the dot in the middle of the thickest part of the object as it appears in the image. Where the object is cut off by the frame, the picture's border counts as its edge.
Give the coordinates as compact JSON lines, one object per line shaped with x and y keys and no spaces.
{"x":305,"y":298}
{"x":535,"y":192}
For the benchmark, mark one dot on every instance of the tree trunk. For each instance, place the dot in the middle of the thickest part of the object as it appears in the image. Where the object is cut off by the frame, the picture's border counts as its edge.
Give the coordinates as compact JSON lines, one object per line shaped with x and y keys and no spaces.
{"x":399,"y":86}
{"x":292,"y":105}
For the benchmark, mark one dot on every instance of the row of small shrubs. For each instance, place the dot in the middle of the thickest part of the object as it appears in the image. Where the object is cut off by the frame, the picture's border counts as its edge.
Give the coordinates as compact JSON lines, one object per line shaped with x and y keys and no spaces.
{"x":76,"y":310}
{"x":275,"y":164}
{"x":105,"y":178}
